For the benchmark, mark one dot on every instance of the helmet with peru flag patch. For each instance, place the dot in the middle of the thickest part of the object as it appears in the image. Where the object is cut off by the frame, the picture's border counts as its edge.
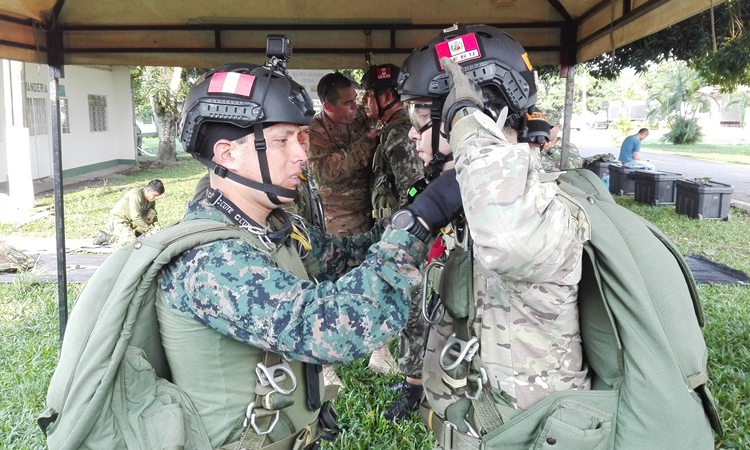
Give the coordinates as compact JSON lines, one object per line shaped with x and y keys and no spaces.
{"x":233,"y":98}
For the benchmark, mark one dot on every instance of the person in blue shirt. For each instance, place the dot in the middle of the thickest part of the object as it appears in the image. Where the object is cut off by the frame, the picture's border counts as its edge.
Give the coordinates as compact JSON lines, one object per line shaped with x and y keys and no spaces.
{"x":629,"y":150}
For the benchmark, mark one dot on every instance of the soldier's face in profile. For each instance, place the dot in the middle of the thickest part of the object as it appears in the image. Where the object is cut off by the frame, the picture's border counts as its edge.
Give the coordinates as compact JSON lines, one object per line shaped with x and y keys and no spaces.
{"x":421,"y":130}
{"x":370,"y":102}
{"x":344,"y":111}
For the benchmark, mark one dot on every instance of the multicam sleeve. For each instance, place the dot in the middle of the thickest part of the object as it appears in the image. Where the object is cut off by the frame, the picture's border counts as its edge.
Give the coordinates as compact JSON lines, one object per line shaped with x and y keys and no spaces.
{"x":521,"y":229}
{"x":330,"y":164}
{"x":237,"y":290}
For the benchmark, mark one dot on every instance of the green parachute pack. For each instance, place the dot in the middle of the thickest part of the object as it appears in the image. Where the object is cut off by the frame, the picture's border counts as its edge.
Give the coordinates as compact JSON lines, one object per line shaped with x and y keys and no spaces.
{"x":111,"y":386}
{"x":640,"y":321}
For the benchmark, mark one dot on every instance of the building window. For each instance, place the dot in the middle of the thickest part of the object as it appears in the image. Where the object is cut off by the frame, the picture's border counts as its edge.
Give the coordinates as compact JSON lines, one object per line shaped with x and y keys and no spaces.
{"x":98,"y":112}
{"x":36,"y":116}
{"x":64,"y":117}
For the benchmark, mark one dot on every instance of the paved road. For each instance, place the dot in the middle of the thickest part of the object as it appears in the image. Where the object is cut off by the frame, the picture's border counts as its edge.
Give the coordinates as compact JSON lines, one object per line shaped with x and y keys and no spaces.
{"x":737,"y":175}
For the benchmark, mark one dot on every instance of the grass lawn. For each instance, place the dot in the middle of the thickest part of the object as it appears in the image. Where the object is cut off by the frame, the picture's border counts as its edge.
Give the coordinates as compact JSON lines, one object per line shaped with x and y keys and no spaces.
{"x":29,"y":329}
{"x":737,"y":154}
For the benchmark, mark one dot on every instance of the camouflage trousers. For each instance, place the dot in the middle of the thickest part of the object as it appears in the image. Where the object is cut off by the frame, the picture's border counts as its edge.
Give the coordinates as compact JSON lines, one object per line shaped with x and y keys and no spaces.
{"x":120,"y":231}
{"x":413,"y":339}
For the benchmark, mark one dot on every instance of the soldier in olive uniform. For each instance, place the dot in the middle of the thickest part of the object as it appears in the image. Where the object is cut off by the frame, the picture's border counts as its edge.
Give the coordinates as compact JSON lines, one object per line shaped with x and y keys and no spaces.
{"x":135,"y":214}
{"x":342,"y":144}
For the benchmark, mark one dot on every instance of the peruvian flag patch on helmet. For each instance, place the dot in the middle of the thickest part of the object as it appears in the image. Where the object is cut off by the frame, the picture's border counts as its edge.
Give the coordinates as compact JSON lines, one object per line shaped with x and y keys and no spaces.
{"x":231,"y":83}
{"x":384,"y":73}
{"x":461,"y":49}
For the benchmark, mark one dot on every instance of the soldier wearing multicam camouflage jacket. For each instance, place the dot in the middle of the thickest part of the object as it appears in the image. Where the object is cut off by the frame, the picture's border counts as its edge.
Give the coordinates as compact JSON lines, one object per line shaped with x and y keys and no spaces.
{"x":342,"y":144}
{"x":524,"y":237}
{"x":252,"y":308}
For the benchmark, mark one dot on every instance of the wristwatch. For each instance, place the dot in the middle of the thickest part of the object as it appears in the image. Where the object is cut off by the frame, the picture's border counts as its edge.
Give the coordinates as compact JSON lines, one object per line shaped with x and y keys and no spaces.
{"x":406,"y":220}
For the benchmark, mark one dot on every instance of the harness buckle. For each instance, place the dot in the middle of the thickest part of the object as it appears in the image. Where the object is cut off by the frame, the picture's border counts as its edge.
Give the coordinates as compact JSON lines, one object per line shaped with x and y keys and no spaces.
{"x":250,"y":417}
{"x":272,"y":376}
{"x":465,"y":351}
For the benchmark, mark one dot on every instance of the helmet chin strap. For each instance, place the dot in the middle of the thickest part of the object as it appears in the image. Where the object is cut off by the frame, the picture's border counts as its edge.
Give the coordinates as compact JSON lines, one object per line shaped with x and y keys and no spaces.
{"x":433,"y":168}
{"x":272,"y":191}
{"x":383,"y":109}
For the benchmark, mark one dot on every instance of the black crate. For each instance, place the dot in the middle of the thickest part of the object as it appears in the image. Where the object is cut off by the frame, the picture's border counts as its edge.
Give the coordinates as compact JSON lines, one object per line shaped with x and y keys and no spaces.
{"x":621,"y":180}
{"x":600,"y":168}
{"x":654,"y":187}
{"x":703,"y":201}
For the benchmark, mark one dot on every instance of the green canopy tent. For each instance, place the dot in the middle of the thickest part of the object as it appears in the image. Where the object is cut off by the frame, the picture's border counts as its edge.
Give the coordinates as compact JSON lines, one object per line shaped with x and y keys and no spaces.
{"x":326,"y":34}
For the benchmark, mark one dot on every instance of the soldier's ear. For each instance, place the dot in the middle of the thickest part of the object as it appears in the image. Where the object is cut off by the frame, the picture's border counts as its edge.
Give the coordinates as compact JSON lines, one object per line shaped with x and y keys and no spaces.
{"x":223,"y":152}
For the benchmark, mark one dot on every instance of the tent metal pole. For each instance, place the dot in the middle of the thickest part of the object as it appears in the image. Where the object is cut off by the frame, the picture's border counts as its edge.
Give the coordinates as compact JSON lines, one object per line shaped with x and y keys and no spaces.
{"x":54,"y":61}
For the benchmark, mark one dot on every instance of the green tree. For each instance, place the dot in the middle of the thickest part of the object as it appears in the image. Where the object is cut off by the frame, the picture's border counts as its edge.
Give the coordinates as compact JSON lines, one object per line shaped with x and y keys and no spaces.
{"x":675,"y":87}
{"x":159,"y":91}
{"x":692,"y":41}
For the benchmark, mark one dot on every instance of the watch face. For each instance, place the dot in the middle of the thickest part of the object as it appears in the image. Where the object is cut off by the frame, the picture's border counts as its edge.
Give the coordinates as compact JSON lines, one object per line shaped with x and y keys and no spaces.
{"x":403,"y":219}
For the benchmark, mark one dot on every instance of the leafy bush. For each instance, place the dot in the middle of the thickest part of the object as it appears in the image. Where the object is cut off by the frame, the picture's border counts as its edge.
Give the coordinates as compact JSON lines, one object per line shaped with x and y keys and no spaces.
{"x":683,"y":131}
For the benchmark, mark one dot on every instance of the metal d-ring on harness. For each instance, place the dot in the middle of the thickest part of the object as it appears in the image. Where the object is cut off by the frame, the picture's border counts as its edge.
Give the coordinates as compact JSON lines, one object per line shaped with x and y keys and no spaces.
{"x":459,"y":357}
{"x":431,"y":310}
{"x":271,"y":393}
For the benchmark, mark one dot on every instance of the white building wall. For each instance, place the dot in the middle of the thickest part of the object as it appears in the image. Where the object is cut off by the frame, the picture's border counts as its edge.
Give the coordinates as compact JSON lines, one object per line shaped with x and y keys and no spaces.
{"x":82,"y":148}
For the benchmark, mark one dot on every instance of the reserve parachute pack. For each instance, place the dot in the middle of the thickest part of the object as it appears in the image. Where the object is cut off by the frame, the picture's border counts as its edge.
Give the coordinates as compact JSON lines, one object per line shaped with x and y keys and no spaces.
{"x":640,"y":321}
{"x":111,"y":386}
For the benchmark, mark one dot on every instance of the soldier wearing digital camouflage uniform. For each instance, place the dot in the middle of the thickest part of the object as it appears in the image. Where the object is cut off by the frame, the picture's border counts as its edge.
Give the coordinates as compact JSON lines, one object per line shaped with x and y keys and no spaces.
{"x":239,"y":317}
{"x":396,"y":167}
{"x":342,"y":144}
{"x":510,"y":336}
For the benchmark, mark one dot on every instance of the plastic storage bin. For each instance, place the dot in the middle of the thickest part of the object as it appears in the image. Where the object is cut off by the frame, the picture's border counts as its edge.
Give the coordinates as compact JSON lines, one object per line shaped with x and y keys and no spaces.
{"x":655,"y":188}
{"x":600,"y":168}
{"x":703,"y":201}
{"x":621,"y":180}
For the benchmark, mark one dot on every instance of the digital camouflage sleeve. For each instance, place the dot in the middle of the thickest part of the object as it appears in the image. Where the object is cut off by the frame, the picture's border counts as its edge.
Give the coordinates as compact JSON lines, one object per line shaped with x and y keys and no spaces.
{"x":236,"y":289}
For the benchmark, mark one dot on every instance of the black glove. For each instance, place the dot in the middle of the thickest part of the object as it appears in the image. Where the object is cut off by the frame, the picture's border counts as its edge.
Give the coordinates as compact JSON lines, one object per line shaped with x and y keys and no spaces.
{"x":440,"y":202}
{"x":464,"y":93}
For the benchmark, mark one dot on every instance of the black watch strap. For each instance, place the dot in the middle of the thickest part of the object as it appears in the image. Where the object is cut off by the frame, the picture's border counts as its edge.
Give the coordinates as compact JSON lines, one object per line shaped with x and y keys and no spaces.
{"x":406,"y":220}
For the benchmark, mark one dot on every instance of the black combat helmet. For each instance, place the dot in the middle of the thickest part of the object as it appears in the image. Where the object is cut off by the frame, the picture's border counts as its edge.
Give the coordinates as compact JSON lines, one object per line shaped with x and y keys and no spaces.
{"x":489,"y":56}
{"x":381,"y":76}
{"x":242,"y":95}
{"x":486,"y":54}
{"x":238,"y":99}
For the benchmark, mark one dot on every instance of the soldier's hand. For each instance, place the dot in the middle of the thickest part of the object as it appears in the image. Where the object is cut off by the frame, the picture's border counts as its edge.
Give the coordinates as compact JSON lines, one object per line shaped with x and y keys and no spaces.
{"x":464,"y":93}
{"x":440,"y":202}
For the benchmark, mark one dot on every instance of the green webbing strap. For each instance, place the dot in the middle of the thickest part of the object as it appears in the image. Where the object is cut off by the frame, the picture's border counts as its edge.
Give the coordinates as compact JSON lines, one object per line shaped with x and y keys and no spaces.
{"x":484,"y":415}
{"x":457,"y":295}
{"x":297,"y":441}
{"x":446,"y":434}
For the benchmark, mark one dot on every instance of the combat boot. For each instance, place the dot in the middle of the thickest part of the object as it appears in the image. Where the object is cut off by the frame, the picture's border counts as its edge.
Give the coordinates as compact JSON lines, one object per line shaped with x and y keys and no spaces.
{"x":406,"y":403}
{"x":382,"y":361}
